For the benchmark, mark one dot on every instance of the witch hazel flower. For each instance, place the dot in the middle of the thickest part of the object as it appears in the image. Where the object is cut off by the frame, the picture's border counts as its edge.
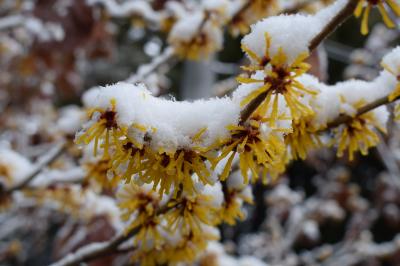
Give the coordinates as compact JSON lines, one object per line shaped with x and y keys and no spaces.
{"x":250,"y":12}
{"x":277,"y":57}
{"x":344,"y":99}
{"x":199,"y":34}
{"x":364,"y":7}
{"x":159,"y":141}
{"x":258,"y":148}
{"x":360,"y":133}
{"x":236,"y":192}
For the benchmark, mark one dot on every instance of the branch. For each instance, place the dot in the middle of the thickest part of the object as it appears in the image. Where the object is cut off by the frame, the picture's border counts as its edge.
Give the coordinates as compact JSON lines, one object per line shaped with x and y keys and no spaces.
{"x":45,"y":160}
{"x":342,"y":119}
{"x":99,"y":249}
{"x":145,"y":70}
{"x":251,"y":107}
{"x":335,"y":22}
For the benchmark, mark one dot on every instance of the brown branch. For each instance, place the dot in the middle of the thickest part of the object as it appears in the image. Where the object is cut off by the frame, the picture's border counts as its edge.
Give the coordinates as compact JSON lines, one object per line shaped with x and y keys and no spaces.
{"x":95,"y":250}
{"x":251,"y":107}
{"x":340,"y":17}
{"x":100,"y":249}
{"x":342,"y":119}
{"x":331,"y":26}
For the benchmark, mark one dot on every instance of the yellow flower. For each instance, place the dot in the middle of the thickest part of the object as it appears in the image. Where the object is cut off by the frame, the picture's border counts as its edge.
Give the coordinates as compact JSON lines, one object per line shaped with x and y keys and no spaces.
{"x":205,"y":40}
{"x":5,"y":175}
{"x":254,"y":11}
{"x":364,"y":8}
{"x":147,"y":257}
{"x":105,"y":128}
{"x":190,"y":246}
{"x":174,"y":170}
{"x":303,"y":138}
{"x":65,"y":198}
{"x":396,"y":92}
{"x":278,"y":79}
{"x":232,"y":207}
{"x":100,"y":171}
{"x":257,"y":150}
{"x":128,"y":154}
{"x":139,"y":206}
{"x":358,"y":135}
{"x":190,"y":213}
{"x":397,"y":112}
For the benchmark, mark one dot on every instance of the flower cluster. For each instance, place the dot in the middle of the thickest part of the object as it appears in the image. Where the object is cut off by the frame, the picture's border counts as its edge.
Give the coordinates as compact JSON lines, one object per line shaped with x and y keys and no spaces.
{"x":199,"y":34}
{"x":170,"y":230}
{"x":171,"y":161}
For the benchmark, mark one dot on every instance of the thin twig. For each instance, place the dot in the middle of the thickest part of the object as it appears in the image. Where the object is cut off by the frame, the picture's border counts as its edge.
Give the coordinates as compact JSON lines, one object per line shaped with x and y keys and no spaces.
{"x":342,"y":119}
{"x":252,"y":106}
{"x":144,"y":71}
{"x":95,"y":250}
{"x":99,"y":249}
{"x":335,"y":22}
{"x":47,"y":159}
{"x":388,"y":159}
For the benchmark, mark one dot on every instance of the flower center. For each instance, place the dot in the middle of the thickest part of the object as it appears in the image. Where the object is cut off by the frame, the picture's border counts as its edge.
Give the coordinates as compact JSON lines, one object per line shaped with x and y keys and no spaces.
{"x":279,"y":80}
{"x":109,"y":116}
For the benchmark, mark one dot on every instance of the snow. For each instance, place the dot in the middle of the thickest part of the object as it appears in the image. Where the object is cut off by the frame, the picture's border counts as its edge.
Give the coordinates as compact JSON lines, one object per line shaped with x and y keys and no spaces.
{"x":282,"y":193}
{"x":217,"y":249}
{"x":215,"y":5}
{"x":48,"y":177}
{"x":128,"y":8}
{"x":342,"y":97}
{"x":345,"y":97}
{"x":291,"y":33}
{"x":215,"y":191}
{"x":70,"y":119}
{"x":186,"y":28}
{"x":311,"y":230}
{"x":170,"y":124}
{"x":391,"y":61}
{"x":16,"y":166}
{"x":103,"y":205}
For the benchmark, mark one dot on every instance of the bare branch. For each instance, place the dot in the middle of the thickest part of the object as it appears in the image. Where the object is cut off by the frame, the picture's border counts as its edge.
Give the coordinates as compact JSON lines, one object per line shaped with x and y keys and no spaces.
{"x":47,"y":159}
{"x":99,"y":249}
{"x":145,"y":70}
{"x":95,"y":250}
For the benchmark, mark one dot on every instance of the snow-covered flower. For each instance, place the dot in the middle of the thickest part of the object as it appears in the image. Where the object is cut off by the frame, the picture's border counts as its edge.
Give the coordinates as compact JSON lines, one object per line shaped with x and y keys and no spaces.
{"x":302,"y":139}
{"x":196,"y":36}
{"x":259,"y":148}
{"x":236,"y":193}
{"x":360,"y":133}
{"x":139,"y":206}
